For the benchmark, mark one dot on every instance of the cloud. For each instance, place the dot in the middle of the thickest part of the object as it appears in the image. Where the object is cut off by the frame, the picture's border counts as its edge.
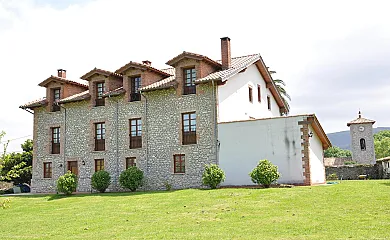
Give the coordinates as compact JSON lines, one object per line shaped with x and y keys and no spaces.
{"x":333,"y":55}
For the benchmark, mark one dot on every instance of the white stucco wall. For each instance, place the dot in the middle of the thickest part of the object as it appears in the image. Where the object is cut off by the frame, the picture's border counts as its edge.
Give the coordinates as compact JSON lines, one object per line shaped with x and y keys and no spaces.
{"x":233,"y":98}
{"x":316,"y":154}
{"x":244,"y":143}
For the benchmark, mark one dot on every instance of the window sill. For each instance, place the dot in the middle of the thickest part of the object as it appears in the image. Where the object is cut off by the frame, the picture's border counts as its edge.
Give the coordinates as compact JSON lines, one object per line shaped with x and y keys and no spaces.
{"x":178,"y":173}
{"x":189,"y":144}
{"x":95,"y":151}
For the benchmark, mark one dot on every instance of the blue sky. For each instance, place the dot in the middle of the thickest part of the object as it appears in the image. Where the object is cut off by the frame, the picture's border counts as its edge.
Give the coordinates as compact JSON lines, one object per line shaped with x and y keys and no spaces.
{"x":333,"y":55}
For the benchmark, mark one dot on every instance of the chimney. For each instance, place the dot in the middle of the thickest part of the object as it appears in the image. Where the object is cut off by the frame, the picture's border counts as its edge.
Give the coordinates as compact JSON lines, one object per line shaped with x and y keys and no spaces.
{"x":61,"y":73}
{"x":147,"y":62}
{"x":225,"y":52}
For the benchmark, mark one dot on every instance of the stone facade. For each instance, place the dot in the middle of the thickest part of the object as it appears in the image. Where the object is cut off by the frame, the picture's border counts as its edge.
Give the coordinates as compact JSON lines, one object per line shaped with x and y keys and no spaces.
{"x":160,"y":112}
{"x":358,"y":132}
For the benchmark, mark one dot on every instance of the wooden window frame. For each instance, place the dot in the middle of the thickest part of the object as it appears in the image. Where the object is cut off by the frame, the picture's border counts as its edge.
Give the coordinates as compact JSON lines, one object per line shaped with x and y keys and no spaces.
{"x":99,"y":165}
{"x":99,"y":100}
{"x":269,"y":102}
{"x":250,"y":91}
{"x":55,"y":140}
{"x":258,"y":93}
{"x":135,"y":135}
{"x":179,"y":164}
{"x":189,"y":86}
{"x":135,"y":85}
{"x":100,"y":138}
{"x":131,"y":162}
{"x":56,"y":93}
{"x":73,"y":167}
{"x":188,"y":136}
{"x":47,"y":170}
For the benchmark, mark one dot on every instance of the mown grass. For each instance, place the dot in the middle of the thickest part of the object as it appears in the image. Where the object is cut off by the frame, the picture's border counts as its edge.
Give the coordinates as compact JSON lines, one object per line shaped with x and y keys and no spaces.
{"x":349,"y":210}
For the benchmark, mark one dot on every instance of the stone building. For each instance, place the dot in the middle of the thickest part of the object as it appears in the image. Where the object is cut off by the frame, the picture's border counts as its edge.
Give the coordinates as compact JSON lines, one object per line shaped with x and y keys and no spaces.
{"x":164,"y":121}
{"x":362,"y":140}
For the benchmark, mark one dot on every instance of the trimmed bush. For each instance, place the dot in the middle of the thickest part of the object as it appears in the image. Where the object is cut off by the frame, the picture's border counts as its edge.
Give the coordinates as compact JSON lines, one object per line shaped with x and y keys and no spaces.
{"x":131,"y":178}
{"x":265,"y":173}
{"x":100,"y":181}
{"x":67,"y":183}
{"x":213,"y":175}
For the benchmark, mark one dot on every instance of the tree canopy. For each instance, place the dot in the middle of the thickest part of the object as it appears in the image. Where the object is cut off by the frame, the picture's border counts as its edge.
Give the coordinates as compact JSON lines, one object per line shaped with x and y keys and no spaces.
{"x":337,"y":152}
{"x":382,"y":144}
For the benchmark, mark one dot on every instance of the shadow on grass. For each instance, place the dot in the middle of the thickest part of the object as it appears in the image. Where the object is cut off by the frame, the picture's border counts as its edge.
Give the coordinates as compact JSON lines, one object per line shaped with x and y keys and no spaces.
{"x":386,"y":184}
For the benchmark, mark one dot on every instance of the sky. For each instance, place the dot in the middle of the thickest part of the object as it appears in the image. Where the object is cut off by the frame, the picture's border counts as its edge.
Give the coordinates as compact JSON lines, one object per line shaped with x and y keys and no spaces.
{"x":333,"y":55}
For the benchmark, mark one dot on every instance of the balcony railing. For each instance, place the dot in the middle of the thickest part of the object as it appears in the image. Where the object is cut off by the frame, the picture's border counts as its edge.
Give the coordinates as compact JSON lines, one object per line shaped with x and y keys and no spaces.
{"x":99,"y":102}
{"x":55,"y":148}
{"x":135,"y":97}
{"x":189,"y":138}
{"x":189,"y":90}
{"x":56,"y":108}
{"x":100,"y":144}
{"x":136,"y":142}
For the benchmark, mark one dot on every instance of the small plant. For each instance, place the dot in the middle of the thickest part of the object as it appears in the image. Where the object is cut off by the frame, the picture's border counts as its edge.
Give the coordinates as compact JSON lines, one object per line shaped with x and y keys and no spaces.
{"x":264,"y":173}
{"x":131,"y":178}
{"x":100,"y":181}
{"x":350,"y":163}
{"x":213,"y":175}
{"x":5,"y":203}
{"x":168,"y":186}
{"x":332,"y":177}
{"x":67,"y":183}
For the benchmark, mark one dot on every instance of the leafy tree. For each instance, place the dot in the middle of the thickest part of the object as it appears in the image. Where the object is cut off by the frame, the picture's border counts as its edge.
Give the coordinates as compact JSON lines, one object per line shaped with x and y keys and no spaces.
{"x":17,"y":167}
{"x":382,"y":144}
{"x":213,"y":175}
{"x":280,"y":84}
{"x":337,"y":152}
{"x":264,"y":173}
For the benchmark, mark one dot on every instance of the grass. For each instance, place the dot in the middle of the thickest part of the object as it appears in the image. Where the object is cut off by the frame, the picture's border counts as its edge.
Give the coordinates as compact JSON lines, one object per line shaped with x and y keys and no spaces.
{"x":349,"y":210}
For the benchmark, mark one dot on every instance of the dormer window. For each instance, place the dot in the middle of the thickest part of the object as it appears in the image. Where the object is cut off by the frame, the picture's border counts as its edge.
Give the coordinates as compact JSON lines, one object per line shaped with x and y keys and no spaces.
{"x":56,"y":98}
{"x":135,"y":85}
{"x":189,"y":77}
{"x":99,"y":94}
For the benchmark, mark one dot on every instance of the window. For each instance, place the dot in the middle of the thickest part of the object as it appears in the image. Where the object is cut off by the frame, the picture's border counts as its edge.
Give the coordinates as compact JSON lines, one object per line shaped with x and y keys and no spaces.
{"x":130,"y":162}
{"x":136,"y":133}
{"x":189,"y":81}
{"x":135,"y":83}
{"x":362,"y":144}
{"x":269,"y":102}
{"x":72,"y":167}
{"x":258,"y":93}
{"x":56,"y":97}
{"x":99,"y":165}
{"x":99,"y":94}
{"x":55,"y":140}
{"x":100,"y":136}
{"x":179,"y":163}
{"x":189,"y":128}
{"x":250,"y":94}
{"x":47,"y":170}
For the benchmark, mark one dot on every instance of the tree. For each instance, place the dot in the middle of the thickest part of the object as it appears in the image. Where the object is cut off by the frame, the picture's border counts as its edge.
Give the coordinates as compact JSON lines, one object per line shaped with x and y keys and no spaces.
{"x":280,"y":84}
{"x":382,"y":144}
{"x":337,"y":152}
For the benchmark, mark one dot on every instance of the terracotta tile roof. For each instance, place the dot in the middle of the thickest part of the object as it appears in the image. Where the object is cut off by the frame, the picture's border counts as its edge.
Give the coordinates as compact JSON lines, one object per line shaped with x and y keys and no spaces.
{"x":36,"y":103}
{"x":54,"y":78}
{"x":141,"y":66}
{"x":114,"y":92}
{"x":237,"y":65}
{"x":164,"y":83}
{"x":99,"y":71}
{"x":76,"y":97}
{"x":360,"y":120}
{"x":185,"y":54}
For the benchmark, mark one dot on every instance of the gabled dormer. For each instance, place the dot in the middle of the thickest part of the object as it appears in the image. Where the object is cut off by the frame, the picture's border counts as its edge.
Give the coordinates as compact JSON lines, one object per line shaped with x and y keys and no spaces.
{"x":58,"y":87}
{"x":190,"y":67}
{"x":101,"y":81}
{"x":138,"y":75}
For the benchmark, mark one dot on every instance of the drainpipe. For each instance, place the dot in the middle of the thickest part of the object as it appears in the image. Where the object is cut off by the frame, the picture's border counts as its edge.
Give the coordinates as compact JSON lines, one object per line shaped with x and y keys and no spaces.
{"x":64,"y":135}
{"x":146,"y":132}
{"x":215,"y":124}
{"x":117,"y":139}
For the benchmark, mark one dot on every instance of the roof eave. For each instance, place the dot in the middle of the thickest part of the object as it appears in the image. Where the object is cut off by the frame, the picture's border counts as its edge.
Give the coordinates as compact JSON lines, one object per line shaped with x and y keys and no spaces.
{"x":319,"y":131}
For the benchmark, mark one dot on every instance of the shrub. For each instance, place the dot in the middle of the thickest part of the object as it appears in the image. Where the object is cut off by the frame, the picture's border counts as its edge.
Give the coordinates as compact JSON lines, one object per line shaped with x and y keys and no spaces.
{"x":349,"y":162}
{"x":332,"y":177}
{"x":213,"y":176}
{"x":67,"y":183}
{"x":100,"y":181}
{"x":265,"y":173}
{"x":131,"y":178}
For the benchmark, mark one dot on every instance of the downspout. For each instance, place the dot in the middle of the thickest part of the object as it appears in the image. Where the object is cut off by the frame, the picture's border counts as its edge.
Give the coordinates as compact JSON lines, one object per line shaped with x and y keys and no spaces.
{"x":146,"y":132}
{"x":117,"y":139}
{"x":215,"y":124}
{"x":64,"y":135}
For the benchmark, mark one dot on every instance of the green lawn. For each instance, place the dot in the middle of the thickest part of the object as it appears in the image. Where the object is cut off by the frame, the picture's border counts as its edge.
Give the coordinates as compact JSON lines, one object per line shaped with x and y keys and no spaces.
{"x":349,"y":210}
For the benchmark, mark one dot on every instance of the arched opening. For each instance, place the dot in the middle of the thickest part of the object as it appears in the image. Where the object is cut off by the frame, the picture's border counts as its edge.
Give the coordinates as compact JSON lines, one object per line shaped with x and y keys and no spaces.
{"x":362,"y":144}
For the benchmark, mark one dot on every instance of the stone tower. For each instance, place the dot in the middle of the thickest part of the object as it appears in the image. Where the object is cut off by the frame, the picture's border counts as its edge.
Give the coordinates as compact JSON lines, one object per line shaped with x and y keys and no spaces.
{"x":362,"y":140}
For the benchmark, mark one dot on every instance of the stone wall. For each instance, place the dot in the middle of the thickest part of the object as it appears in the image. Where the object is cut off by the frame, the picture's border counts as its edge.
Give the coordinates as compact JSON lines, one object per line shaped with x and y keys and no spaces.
{"x":352,"y":172}
{"x":336,"y":161}
{"x":160,"y":112}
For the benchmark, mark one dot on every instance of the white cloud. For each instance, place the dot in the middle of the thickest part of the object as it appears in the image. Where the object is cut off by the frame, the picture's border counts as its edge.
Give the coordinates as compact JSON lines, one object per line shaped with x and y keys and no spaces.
{"x":292,"y":36}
